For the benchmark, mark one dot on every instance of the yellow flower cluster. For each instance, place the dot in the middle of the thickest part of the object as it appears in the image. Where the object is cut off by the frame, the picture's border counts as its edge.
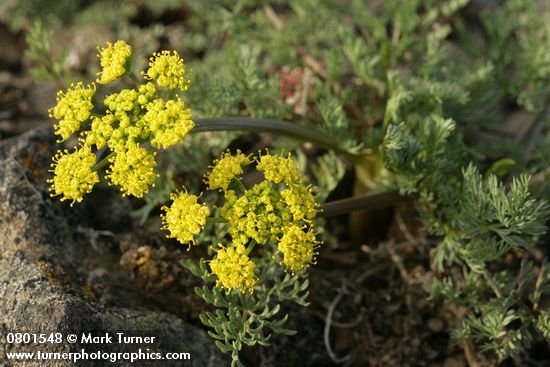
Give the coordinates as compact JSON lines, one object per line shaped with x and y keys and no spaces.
{"x":259,"y":214}
{"x":185,"y":218}
{"x":73,"y":174}
{"x":133,"y":170}
{"x":132,"y":118}
{"x":123,"y":102}
{"x":168,"y":70}
{"x":168,"y":121}
{"x":72,"y":109}
{"x":124,"y":123}
{"x":225,"y":169}
{"x":278,"y":169}
{"x":300,"y":202}
{"x":278,"y":210}
{"x":234,"y":268}
{"x":298,"y":248}
{"x":114,"y":60}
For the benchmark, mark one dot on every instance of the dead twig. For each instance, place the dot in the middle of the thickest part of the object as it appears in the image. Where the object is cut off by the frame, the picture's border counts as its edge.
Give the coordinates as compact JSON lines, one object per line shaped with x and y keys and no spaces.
{"x":403,"y":228}
{"x":470,"y":355}
{"x":328,"y":322}
{"x":273,"y":17}
{"x":398,"y":262}
{"x":492,"y":283}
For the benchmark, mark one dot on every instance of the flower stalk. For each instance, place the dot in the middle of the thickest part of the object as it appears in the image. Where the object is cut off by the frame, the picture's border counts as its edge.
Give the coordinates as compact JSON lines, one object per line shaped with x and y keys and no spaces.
{"x":278,"y":127}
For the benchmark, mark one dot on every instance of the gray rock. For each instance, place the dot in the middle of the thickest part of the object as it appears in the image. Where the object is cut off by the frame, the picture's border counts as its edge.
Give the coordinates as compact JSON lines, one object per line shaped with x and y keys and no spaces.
{"x":46,"y":265}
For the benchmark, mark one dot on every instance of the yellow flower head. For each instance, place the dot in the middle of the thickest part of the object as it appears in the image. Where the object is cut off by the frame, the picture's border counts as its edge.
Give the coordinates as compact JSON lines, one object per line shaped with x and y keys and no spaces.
{"x":72,"y":109}
{"x":301,"y":202}
{"x":298,"y":248}
{"x":234,"y":269}
{"x":133,"y":169}
{"x":74,"y":175}
{"x":168,"y":70}
{"x":168,"y":121}
{"x":185,"y":218}
{"x":225,"y":169}
{"x":278,"y":169}
{"x":114,"y":60}
{"x":260,"y":214}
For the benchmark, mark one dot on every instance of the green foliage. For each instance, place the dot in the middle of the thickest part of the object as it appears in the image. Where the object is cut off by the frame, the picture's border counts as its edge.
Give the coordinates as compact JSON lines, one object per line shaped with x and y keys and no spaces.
{"x":328,"y":171}
{"x":480,"y":221}
{"x":337,"y":125}
{"x":487,"y":211}
{"x":39,"y":50}
{"x":399,"y":150}
{"x":519,"y":39}
{"x":493,"y":331}
{"x":248,"y":318}
{"x":543,"y":324}
{"x":18,"y":13}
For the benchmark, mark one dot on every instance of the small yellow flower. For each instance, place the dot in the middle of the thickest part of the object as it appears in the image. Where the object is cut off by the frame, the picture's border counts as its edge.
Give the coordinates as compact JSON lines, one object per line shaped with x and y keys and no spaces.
{"x":123,"y":101}
{"x":301,"y":202}
{"x":168,"y":121}
{"x":131,"y":130}
{"x":72,"y":109}
{"x":74,"y":175}
{"x":185,"y":218}
{"x":133,"y":169}
{"x":298,"y":248}
{"x":278,"y":169}
{"x":114,"y":60}
{"x":101,"y":130}
{"x":147,"y":92}
{"x":225,"y":169}
{"x":168,"y":70}
{"x":234,"y":269}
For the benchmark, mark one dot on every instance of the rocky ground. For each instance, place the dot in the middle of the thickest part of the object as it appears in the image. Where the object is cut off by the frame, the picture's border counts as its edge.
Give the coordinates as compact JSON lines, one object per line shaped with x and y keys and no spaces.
{"x":58,"y":274}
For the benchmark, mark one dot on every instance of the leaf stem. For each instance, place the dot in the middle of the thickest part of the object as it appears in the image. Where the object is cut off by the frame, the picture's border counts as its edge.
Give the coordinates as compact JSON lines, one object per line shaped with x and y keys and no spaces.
{"x":278,"y":127}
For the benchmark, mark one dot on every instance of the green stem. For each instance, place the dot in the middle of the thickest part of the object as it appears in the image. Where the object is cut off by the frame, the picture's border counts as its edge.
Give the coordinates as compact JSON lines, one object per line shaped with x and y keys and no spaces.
{"x":216,"y":220}
{"x":134,"y":78}
{"x":278,"y":127}
{"x":238,"y":185}
{"x":250,"y":247}
{"x":364,"y":202}
{"x":102,"y":163}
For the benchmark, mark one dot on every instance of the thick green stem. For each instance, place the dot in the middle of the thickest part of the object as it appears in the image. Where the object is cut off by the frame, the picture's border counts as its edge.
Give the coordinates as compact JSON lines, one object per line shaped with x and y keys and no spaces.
{"x":102,"y":163}
{"x":363,"y":202}
{"x":278,"y":127}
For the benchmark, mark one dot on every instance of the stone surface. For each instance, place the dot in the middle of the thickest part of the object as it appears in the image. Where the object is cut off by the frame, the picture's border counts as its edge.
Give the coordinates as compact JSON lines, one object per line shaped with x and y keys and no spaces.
{"x":58,"y":274}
